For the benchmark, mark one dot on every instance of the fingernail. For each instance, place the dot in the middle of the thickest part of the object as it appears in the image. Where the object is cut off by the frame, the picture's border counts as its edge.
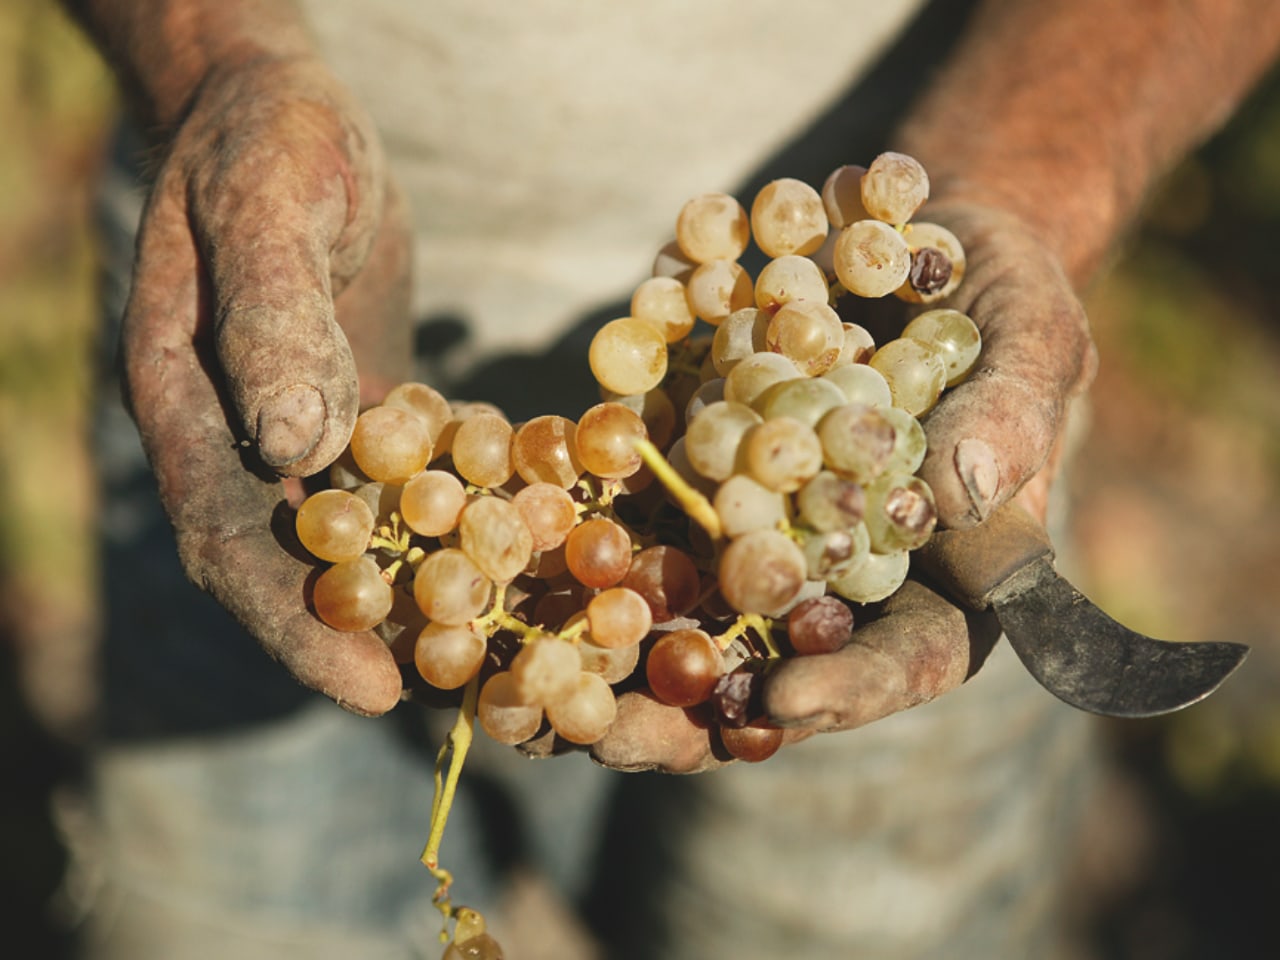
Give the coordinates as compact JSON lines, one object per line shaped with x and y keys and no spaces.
{"x":980,"y":473}
{"x":290,"y":423}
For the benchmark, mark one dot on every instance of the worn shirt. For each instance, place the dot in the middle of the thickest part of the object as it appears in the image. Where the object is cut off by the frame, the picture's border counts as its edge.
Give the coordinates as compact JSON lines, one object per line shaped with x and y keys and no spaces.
{"x":547,"y":147}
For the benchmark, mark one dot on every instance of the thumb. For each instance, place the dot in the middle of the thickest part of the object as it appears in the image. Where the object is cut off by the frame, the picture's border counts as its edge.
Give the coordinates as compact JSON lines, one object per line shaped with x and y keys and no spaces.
{"x":280,"y":220}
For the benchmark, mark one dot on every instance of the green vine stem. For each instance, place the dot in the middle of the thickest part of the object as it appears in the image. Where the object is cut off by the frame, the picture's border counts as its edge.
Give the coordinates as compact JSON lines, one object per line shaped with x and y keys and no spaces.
{"x":691,"y":501}
{"x":454,"y":749}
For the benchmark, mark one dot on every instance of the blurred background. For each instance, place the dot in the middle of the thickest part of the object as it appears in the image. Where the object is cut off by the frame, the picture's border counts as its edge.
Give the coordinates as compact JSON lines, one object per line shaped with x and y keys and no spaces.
{"x":1176,"y":521}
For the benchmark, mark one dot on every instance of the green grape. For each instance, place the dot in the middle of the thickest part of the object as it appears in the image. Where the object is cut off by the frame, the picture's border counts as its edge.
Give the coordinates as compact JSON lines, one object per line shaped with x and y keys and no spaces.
{"x":708,"y":393}
{"x":909,"y":442}
{"x":334,"y":525}
{"x":858,"y":345}
{"x":447,"y":657}
{"x":787,"y":217}
{"x":743,"y":505}
{"x":762,"y":572}
{"x":549,"y":513}
{"x":390,"y":444}
{"x":671,"y":262}
{"x":953,"y":335}
{"x":482,"y":947}
{"x":481,"y":450}
{"x":874,"y":579}
{"x":857,"y":441}
{"x":716,"y":289}
{"x":544,"y":449}
{"x":618,"y":617}
{"x":829,"y":502}
{"x":431,"y":502}
{"x":871,"y":259}
{"x":712,"y":226}
{"x":842,"y":196}
{"x":808,"y":333}
{"x":598,"y":552}
{"x":546,"y":670}
{"x":915,"y":372}
{"x":861,"y":384}
{"x":628,"y":356}
{"x":781,"y":454}
{"x":424,"y":401}
{"x":450,"y":588}
{"x":741,"y":335}
{"x":789,"y":278}
{"x":807,"y":400}
{"x":586,"y":712}
{"x":894,"y":187}
{"x":757,"y":373}
{"x":494,"y":535}
{"x":656,"y":410}
{"x":383,"y":499}
{"x":901,"y":513}
{"x":352,"y":595}
{"x":835,"y":553}
{"x":502,"y":714}
{"x":605,"y":440}
{"x":712,"y":438}
{"x":613,"y":664}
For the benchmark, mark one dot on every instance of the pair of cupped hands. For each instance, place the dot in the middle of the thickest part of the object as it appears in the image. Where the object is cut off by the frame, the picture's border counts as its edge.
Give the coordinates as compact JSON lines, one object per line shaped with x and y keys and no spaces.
{"x":273,"y":264}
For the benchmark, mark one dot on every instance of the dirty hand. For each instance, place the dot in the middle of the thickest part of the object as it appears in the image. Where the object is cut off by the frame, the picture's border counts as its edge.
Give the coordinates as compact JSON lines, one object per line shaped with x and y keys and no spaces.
{"x":991,"y":438}
{"x":273,"y":257}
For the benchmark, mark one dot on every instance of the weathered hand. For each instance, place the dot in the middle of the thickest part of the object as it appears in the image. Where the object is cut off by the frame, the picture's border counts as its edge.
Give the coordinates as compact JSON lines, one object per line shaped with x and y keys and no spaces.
{"x":271,"y":221}
{"x":991,"y":438}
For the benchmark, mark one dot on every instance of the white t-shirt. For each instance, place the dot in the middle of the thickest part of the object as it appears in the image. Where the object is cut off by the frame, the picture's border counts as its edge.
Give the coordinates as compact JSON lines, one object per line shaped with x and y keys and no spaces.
{"x":547,"y":147}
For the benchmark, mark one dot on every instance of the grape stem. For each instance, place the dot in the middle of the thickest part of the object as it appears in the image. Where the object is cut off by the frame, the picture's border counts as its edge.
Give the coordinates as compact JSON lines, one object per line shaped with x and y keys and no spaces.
{"x":601,"y":502}
{"x":390,"y":536}
{"x":499,"y":619}
{"x":691,"y":501}
{"x":454,"y":748}
{"x":413,"y":557}
{"x":751,"y":621}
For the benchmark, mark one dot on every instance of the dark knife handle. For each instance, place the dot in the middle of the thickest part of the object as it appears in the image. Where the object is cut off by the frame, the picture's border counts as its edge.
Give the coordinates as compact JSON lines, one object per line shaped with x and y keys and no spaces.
{"x":974,"y":564}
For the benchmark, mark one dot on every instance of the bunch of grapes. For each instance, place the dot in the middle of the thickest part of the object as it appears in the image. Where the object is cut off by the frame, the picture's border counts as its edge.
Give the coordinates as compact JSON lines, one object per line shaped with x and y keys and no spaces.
{"x":732,"y":499}
{"x":543,"y":563}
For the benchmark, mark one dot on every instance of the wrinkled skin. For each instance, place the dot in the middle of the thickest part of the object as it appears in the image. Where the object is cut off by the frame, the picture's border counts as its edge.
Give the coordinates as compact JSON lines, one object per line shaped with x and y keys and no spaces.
{"x":271,"y":229}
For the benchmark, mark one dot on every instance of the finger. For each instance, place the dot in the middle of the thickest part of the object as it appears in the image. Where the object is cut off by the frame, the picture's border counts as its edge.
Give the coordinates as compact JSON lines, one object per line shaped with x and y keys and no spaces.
{"x":219,"y":508}
{"x":649,"y":735}
{"x":992,"y":433}
{"x":283,"y":220}
{"x":921,"y":646}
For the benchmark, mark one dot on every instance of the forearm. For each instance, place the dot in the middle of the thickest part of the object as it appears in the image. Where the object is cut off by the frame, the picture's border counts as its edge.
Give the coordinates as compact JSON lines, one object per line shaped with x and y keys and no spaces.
{"x":1064,"y":111}
{"x":163,"y":49}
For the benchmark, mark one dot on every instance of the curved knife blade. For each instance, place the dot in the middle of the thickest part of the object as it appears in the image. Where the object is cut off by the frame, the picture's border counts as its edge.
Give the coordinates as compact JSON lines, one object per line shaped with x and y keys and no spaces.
{"x":1070,"y":646}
